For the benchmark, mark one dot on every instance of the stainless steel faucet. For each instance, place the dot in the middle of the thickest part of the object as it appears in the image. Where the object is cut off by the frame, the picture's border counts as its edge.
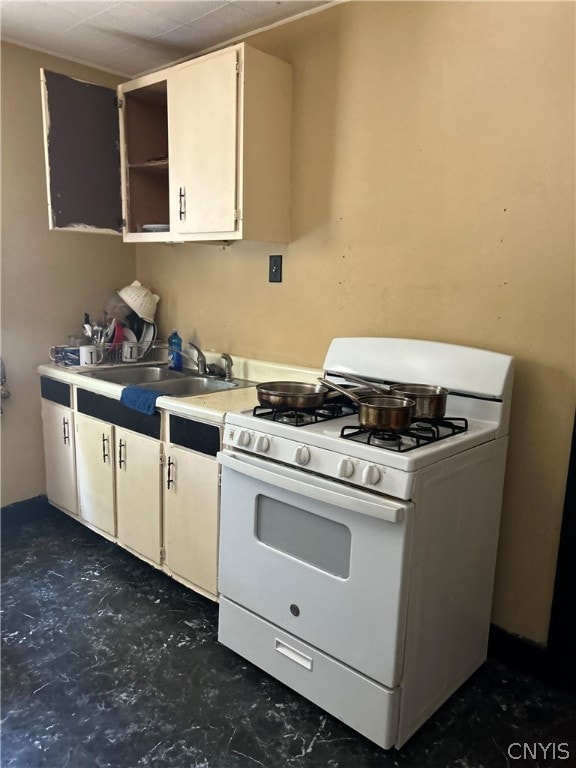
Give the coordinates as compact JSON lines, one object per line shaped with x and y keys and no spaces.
{"x":200,"y":359}
{"x":228,"y":363}
{"x":199,"y":362}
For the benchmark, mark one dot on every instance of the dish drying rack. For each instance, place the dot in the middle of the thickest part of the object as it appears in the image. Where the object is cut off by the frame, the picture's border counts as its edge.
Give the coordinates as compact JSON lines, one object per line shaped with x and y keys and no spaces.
{"x":112,"y":355}
{"x":145,"y":353}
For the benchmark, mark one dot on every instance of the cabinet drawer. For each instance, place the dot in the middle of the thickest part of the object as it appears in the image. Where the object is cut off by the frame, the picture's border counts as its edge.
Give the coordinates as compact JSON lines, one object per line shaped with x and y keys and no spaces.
{"x":56,"y":391}
{"x":204,"y":438}
{"x":369,"y":708}
{"x":114,"y":412}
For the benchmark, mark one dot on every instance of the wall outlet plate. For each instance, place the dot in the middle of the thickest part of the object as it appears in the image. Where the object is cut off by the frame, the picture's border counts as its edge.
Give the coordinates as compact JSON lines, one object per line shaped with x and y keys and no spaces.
{"x":275,"y":269}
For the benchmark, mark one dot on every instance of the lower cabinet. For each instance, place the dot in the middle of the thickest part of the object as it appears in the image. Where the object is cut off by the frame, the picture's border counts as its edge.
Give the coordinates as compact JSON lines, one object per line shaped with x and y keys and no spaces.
{"x":138,"y":484}
{"x":191,"y":518}
{"x":157,"y":498}
{"x":95,"y":472}
{"x":58,"y":429}
{"x":119,"y":483}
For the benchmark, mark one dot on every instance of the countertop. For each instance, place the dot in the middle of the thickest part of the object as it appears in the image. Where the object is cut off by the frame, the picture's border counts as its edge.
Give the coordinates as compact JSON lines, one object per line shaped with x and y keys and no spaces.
{"x":210,"y":407}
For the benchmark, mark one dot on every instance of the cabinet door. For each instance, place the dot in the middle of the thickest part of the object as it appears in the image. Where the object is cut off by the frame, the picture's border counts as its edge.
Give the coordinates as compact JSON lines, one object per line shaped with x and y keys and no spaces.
{"x":138,"y":493}
{"x":203,"y":135}
{"x":95,"y":472}
{"x":58,"y":427}
{"x":191,"y":518}
{"x":82,"y":157}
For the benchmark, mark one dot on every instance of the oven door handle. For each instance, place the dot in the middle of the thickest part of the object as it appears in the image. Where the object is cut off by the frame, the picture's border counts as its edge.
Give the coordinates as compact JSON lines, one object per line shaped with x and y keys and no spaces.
{"x":280,"y":478}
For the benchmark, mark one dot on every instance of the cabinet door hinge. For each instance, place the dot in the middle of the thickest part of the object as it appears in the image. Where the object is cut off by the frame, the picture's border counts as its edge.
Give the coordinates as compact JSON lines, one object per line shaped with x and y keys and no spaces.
{"x":162,"y":555}
{"x":237,"y":214}
{"x":119,"y":102}
{"x":123,"y":223}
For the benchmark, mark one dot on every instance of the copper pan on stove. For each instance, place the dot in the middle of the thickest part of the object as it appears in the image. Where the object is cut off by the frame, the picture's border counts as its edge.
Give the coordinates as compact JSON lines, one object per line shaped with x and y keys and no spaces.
{"x":380,"y":412}
{"x":297,"y":396}
{"x":430,"y":400}
{"x":286,"y":395}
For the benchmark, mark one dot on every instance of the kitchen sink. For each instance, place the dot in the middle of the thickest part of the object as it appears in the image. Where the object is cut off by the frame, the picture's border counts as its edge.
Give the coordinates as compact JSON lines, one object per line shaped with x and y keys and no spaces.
{"x":192,"y":385}
{"x":161,"y":379}
{"x":134,"y":375}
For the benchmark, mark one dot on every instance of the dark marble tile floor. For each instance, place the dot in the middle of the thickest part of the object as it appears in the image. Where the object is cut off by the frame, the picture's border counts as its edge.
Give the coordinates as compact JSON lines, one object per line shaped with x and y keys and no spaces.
{"x":107,"y":663}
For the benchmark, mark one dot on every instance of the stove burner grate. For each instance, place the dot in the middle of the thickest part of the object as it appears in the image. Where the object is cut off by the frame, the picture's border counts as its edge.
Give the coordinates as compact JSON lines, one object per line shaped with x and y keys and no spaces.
{"x":419,"y":433}
{"x":303,"y":417}
{"x":454,"y":425}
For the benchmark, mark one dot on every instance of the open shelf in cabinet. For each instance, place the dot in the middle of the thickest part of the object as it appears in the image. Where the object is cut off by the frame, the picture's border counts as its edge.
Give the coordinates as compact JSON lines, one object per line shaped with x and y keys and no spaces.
{"x":146,"y":148}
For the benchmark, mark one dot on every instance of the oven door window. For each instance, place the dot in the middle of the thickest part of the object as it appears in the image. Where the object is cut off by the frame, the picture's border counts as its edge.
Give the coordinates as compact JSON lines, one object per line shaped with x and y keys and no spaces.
{"x":311,"y":538}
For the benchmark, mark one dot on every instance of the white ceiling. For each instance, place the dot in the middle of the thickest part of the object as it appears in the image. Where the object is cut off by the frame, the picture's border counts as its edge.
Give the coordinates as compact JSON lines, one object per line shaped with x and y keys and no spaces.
{"x":132,"y":38}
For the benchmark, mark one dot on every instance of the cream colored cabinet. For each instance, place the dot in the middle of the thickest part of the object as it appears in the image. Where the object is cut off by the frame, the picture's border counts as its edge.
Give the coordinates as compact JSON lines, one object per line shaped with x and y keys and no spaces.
{"x":138,"y":489}
{"x":151,"y":483}
{"x":192,"y":503}
{"x":191,"y":518}
{"x":203,"y":193}
{"x":95,"y":472}
{"x":205,"y":150}
{"x":119,"y":475}
{"x":59,"y":454}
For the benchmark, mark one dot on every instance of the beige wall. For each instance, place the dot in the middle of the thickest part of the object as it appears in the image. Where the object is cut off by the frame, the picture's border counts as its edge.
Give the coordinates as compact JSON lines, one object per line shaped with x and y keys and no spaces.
{"x":49,"y":279}
{"x":433,"y":197}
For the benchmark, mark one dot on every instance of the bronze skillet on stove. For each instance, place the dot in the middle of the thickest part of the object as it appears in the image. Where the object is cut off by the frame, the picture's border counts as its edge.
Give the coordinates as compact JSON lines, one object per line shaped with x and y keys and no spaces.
{"x":286,"y":395}
{"x":430,"y":400}
{"x":379,"y":412}
{"x":297,"y":396}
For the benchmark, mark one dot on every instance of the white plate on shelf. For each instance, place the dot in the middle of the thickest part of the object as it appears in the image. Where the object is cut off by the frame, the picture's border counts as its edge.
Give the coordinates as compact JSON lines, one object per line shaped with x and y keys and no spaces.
{"x":129,"y":334}
{"x":155,"y":227}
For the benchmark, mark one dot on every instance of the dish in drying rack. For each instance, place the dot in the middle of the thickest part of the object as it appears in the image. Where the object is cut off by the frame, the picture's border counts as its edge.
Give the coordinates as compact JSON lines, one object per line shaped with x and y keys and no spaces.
{"x":147,"y":338}
{"x":118,"y":337}
{"x":113,"y":334}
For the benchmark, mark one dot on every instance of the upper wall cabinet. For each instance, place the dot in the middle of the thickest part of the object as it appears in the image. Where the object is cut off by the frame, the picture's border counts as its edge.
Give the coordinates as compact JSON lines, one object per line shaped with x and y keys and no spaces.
{"x":204,"y":151}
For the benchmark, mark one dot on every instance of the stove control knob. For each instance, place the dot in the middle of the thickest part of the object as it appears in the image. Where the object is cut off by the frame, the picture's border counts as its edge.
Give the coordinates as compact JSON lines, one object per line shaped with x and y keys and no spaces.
{"x":345,"y":468}
{"x":262,"y":444}
{"x":302,"y":455}
{"x":370,"y":475}
{"x":244,"y":438}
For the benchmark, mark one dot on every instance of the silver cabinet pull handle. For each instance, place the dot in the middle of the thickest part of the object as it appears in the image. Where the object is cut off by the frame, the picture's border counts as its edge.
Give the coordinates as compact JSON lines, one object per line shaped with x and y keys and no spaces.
{"x":121,"y":459}
{"x":182,"y":203}
{"x":105,"y":454}
{"x":65,"y":430}
{"x":170,"y":479}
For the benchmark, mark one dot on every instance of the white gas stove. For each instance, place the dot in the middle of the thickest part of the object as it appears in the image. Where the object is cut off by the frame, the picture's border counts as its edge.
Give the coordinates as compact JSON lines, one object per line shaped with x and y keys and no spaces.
{"x":322,"y":450}
{"x":357,"y":567}
{"x":323,"y":443}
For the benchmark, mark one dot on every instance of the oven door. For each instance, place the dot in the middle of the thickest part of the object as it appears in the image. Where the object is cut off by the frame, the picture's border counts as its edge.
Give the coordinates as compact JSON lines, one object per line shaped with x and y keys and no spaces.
{"x":326,"y":562}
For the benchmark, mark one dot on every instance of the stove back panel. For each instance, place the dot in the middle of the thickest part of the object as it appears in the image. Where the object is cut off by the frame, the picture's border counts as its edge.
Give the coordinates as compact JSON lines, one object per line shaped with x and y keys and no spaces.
{"x":468,"y":370}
